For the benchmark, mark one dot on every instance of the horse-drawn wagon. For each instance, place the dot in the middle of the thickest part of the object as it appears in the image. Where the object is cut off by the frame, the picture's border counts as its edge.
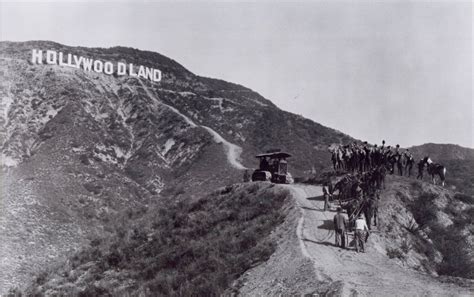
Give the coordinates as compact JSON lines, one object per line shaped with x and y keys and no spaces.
{"x":356,"y":197}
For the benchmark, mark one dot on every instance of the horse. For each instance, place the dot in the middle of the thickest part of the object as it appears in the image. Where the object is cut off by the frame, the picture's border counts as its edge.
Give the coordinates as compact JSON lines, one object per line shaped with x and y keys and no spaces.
{"x":435,"y":169}
{"x":350,"y":207}
{"x":345,"y":186}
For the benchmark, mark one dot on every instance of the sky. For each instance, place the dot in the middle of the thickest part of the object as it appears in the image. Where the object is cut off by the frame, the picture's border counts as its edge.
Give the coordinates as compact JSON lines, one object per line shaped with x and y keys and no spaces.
{"x":394,"y":70}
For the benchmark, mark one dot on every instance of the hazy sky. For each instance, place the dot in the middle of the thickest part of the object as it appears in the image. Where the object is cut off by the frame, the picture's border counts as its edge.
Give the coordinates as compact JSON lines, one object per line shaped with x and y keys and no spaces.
{"x":399,"y":71}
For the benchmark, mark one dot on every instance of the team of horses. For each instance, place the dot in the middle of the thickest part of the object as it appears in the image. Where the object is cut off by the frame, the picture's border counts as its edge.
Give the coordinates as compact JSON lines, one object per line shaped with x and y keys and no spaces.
{"x":359,"y":194}
{"x":359,"y":191}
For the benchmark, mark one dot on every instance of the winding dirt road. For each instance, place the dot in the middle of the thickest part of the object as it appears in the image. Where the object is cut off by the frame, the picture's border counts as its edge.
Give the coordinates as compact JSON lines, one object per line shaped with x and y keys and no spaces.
{"x":361,"y":274}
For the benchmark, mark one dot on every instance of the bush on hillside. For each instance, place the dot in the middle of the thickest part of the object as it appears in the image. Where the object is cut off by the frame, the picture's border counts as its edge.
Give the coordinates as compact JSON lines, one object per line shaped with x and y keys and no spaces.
{"x":450,"y":241}
{"x":196,"y":248}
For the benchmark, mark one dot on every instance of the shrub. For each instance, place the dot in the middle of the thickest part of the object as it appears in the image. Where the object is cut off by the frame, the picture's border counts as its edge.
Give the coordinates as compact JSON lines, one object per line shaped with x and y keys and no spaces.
{"x":395,"y":253}
{"x":190,"y":248}
{"x":449,"y":241}
{"x":424,"y":210}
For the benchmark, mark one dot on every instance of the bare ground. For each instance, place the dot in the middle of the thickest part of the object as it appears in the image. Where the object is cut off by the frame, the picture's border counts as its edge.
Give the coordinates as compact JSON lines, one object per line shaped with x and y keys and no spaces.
{"x":307,"y":262}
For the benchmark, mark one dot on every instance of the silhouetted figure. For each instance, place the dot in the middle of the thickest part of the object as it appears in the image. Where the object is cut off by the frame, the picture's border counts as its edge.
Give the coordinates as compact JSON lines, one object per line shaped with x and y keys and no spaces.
{"x":421,"y":168}
{"x":409,"y":162}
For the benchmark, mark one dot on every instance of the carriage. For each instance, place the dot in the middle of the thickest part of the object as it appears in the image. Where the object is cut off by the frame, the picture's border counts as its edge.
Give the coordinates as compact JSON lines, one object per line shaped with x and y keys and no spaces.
{"x":273,"y":167}
{"x":356,"y":197}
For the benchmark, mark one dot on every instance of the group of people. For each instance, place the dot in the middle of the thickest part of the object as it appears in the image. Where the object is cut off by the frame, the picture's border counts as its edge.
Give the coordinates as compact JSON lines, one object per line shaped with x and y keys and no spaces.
{"x":361,"y":231}
{"x":359,"y":189}
{"x":359,"y":196}
{"x":363,"y":157}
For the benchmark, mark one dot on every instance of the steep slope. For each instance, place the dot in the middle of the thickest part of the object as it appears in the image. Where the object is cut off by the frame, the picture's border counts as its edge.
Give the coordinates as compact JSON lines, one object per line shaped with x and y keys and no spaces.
{"x":190,"y":248}
{"x":288,"y":247}
{"x":237,"y":114}
{"x":79,"y":147}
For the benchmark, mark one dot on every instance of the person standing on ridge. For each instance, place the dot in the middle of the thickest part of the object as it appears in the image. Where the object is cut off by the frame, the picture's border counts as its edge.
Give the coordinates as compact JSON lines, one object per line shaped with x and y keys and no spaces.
{"x":361,"y":233}
{"x":399,"y":160}
{"x":409,"y":161}
{"x":340,"y":224}
{"x":421,"y":168}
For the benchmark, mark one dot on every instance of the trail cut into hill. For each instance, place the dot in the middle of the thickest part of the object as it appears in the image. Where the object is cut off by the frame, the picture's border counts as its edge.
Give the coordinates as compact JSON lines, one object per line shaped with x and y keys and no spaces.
{"x":341,"y":272}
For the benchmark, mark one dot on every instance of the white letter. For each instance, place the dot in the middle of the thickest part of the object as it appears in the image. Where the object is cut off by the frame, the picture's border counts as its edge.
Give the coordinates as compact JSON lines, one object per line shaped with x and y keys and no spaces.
{"x":51,"y":57}
{"x":37,"y":57}
{"x":87,"y":64}
{"x":149,"y":73}
{"x":69,"y":60}
{"x":141,"y":72}
{"x":61,"y":63}
{"x":130,"y":70}
{"x":78,"y":61}
{"x":98,"y":66}
{"x":156,"y":75}
{"x":108,"y":68}
{"x":121,"y":68}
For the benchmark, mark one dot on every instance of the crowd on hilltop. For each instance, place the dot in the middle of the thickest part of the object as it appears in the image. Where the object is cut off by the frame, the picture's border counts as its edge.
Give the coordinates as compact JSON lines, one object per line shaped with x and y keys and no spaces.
{"x":359,"y":190}
{"x":362,"y":157}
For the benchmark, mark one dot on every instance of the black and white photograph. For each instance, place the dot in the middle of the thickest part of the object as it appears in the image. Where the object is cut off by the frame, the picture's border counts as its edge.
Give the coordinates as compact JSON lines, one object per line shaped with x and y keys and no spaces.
{"x":236,"y":148}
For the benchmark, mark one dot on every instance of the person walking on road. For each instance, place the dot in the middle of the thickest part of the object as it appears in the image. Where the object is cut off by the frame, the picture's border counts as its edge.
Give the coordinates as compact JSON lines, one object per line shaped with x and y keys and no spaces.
{"x":326,"y":196}
{"x":361,"y":233}
{"x":340,"y":224}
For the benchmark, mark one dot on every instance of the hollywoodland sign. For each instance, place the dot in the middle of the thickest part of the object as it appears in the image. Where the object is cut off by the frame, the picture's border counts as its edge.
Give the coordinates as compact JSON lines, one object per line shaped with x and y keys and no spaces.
{"x":69,"y":60}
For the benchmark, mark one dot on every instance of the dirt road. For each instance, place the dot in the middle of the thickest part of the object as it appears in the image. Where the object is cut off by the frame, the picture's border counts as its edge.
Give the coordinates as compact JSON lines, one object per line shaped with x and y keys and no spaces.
{"x":362,"y":274}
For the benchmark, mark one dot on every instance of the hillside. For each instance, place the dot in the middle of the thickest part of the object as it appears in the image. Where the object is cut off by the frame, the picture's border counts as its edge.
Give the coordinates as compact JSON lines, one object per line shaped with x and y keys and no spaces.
{"x":189,"y":248}
{"x":421,"y":247}
{"x":262,"y":239}
{"x":443,"y":151}
{"x":459,"y":162}
{"x":78,"y":147}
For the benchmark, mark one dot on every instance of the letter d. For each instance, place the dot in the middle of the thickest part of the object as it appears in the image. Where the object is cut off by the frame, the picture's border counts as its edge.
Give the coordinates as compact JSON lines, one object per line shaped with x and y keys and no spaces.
{"x":156,"y":75}
{"x":121,"y":68}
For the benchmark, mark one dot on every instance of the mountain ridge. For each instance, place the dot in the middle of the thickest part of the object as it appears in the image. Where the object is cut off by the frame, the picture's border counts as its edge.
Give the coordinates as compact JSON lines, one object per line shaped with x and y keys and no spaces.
{"x":85,"y":148}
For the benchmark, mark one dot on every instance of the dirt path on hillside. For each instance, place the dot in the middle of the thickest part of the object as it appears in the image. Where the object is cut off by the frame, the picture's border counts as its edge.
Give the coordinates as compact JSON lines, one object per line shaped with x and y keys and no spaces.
{"x":362,"y":274}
